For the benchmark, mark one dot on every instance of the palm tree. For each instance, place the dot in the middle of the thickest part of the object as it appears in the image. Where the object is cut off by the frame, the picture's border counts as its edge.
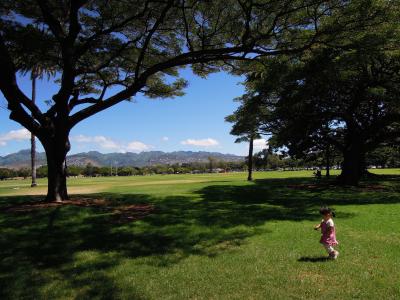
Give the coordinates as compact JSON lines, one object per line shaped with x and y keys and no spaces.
{"x":46,"y":67}
{"x":34,"y":75}
{"x":37,"y":72}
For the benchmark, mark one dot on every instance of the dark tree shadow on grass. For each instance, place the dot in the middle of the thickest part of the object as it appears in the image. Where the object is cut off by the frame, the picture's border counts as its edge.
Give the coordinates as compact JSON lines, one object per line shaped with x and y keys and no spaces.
{"x":314,"y":259}
{"x":33,"y":242}
{"x":217,"y":218}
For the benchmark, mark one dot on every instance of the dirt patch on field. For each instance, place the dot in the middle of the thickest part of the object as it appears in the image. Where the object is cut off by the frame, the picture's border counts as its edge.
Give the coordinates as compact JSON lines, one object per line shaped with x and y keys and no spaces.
{"x":42,"y":190}
{"x":310,"y":187}
{"x":31,"y":206}
{"x":119,"y":213}
{"x":311,"y":276}
{"x":130,"y":213}
{"x":162,"y":182}
{"x":373,"y":188}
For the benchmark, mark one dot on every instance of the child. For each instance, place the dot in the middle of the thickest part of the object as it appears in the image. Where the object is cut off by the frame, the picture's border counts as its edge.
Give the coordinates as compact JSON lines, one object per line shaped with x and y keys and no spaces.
{"x":328,"y":238}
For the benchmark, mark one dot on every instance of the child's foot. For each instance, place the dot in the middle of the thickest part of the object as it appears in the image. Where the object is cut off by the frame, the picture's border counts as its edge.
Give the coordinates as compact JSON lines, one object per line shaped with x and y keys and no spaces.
{"x":334,"y":254}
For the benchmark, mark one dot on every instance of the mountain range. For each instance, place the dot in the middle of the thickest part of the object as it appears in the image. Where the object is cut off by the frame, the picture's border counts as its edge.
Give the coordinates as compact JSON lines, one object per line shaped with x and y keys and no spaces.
{"x":22,"y":158}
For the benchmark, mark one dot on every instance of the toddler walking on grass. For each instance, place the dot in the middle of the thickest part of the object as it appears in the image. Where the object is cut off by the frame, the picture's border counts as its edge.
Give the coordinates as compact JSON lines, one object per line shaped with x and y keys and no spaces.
{"x":328,"y":232}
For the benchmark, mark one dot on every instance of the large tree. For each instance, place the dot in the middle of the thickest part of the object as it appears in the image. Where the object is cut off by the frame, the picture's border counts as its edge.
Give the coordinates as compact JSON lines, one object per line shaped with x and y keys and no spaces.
{"x":107,"y":52}
{"x":344,"y":93}
{"x":346,"y":97}
{"x":351,"y":99}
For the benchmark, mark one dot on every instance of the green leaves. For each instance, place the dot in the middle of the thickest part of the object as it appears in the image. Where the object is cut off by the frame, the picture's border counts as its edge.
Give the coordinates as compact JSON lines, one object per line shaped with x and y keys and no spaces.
{"x":343,"y":87}
{"x":97,"y":45}
{"x":247,"y":118}
{"x":157,"y":88}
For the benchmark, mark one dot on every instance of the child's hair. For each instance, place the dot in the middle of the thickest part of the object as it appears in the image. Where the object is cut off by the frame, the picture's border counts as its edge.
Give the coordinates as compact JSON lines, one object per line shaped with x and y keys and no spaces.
{"x":326,"y":210}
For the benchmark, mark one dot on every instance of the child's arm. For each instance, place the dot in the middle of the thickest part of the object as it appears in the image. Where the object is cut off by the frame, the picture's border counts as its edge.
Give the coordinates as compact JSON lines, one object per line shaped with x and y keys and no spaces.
{"x":316,"y":227}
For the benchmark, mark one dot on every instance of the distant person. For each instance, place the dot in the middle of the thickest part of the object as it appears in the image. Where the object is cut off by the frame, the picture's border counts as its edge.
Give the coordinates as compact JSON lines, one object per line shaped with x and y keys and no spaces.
{"x":318,"y":174}
{"x":328,"y":232}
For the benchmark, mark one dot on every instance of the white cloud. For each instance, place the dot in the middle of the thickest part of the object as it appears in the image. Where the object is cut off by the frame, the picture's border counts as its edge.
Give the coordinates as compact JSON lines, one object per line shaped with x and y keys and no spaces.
{"x":165,"y":138}
{"x":15,"y":135}
{"x":106,"y":143}
{"x":82,"y":139}
{"x":260,"y":144}
{"x":99,"y":140}
{"x":201,"y":143}
{"x":137,"y":146}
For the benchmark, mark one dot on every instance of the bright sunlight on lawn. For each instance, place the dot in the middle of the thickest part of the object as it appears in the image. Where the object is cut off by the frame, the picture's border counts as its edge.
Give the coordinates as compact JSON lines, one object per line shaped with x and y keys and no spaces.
{"x":200,"y":237}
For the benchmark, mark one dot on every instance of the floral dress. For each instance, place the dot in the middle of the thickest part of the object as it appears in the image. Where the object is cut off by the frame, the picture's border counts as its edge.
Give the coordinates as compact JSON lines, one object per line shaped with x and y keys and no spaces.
{"x":328,"y":237}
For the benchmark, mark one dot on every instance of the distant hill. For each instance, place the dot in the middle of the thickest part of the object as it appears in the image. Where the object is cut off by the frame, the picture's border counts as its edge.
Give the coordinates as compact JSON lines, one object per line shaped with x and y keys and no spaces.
{"x":22,"y":158}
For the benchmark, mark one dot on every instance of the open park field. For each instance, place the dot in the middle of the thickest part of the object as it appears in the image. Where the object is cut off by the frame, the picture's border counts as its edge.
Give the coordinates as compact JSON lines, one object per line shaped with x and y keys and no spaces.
{"x":212,"y":236}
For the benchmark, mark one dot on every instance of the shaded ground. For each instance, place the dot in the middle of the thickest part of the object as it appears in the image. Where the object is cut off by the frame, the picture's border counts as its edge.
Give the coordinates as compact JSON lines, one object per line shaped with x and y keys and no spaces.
{"x":120,"y":212}
{"x":76,"y":245}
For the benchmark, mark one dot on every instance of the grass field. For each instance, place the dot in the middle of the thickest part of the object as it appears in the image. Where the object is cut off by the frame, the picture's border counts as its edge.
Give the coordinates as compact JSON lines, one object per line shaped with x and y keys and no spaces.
{"x":200,"y":237}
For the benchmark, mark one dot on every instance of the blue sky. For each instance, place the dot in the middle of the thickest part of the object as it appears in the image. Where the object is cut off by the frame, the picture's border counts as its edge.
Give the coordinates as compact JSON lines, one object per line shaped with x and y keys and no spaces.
{"x":192,"y":122}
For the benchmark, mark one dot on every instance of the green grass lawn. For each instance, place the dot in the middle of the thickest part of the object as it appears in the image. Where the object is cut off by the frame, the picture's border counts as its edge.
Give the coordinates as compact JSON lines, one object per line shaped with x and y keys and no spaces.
{"x":201,"y":237}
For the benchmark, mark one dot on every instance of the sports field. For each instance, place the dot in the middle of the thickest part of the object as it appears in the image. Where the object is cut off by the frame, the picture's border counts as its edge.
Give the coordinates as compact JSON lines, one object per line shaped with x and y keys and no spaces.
{"x":211,"y":236}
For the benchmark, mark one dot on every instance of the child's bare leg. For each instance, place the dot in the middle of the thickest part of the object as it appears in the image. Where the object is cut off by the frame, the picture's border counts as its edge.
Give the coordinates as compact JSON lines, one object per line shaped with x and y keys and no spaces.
{"x":331,"y":251}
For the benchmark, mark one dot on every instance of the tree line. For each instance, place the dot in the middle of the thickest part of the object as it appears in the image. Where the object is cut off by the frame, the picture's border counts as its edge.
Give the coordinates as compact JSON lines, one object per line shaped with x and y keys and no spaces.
{"x":264,"y":160}
{"x":90,"y":170}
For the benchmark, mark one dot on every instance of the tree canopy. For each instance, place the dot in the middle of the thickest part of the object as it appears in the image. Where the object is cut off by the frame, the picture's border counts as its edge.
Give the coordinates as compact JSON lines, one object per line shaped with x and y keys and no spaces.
{"x":344,"y":94}
{"x":139,"y":46}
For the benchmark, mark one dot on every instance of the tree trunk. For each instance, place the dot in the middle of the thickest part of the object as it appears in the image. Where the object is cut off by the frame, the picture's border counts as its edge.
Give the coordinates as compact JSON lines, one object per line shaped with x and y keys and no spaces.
{"x":33,"y":141}
{"x":250,"y":160}
{"x":328,"y":161}
{"x":33,"y":160}
{"x":56,"y":151}
{"x":353,"y":166}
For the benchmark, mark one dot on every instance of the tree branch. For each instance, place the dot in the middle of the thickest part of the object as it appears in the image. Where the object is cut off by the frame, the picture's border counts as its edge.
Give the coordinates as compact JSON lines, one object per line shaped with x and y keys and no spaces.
{"x":53,"y":23}
{"x":150,"y":35}
{"x":85,"y":101}
{"x":74,"y":26}
{"x":88,"y":42}
{"x":105,"y":64}
{"x":8,"y":85}
{"x":188,"y":42}
{"x":184,"y":59}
